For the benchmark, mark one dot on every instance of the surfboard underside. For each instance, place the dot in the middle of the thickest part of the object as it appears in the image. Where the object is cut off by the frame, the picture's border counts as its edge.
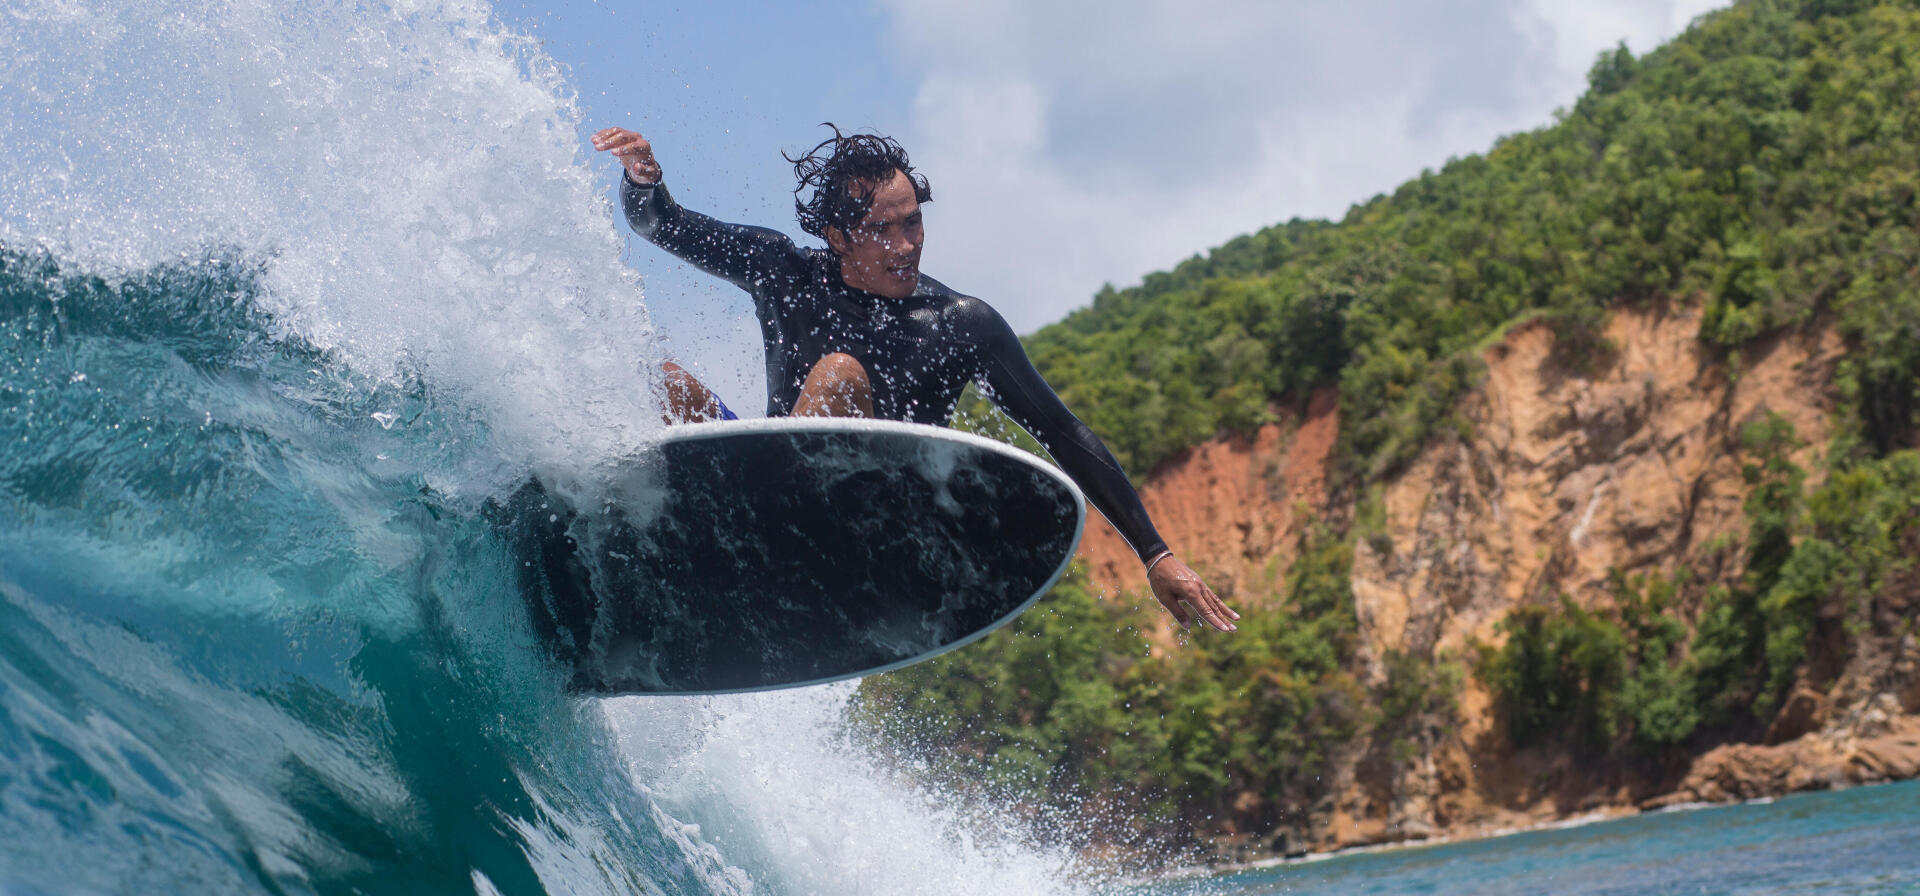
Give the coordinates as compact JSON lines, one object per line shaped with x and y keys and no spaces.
{"x":743,"y":557}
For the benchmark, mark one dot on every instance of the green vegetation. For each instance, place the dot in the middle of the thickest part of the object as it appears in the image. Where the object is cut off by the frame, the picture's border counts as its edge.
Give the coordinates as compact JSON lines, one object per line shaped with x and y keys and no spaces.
{"x":1600,"y":678}
{"x":1763,"y":168}
{"x":1559,"y":667}
{"x":1865,"y":528}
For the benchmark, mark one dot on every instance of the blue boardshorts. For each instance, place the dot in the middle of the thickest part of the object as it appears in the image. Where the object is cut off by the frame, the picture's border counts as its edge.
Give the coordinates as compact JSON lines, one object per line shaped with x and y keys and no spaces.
{"x":726,"y":413}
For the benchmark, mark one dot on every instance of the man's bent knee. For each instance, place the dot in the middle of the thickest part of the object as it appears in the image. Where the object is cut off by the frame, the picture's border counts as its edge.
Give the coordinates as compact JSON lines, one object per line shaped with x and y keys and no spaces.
{"x":688,"y":399}
{"x":837,"y":386}
{"x":840,"y":367}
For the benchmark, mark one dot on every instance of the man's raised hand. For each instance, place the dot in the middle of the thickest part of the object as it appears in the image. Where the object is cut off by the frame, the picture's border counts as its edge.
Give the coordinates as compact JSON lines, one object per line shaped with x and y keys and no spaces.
{"x":633,"y":152}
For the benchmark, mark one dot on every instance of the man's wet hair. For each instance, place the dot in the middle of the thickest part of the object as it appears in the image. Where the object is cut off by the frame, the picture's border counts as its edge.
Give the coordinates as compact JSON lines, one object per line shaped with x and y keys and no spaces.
{"x":835,"y":166}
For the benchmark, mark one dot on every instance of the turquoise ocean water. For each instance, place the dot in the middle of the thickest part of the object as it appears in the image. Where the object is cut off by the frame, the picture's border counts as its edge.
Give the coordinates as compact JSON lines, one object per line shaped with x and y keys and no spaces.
{"x":288,"y":291}
{"x":1859,"y":841}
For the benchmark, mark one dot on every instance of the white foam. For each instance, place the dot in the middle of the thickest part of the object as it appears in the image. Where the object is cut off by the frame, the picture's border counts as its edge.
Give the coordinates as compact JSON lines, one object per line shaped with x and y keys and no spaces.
{"x":774,"y":781}
{"x":408,"y":172}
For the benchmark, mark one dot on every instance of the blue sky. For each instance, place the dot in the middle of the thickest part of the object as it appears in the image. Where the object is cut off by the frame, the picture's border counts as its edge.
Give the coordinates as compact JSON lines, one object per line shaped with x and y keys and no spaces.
{"x":1070,"y":143}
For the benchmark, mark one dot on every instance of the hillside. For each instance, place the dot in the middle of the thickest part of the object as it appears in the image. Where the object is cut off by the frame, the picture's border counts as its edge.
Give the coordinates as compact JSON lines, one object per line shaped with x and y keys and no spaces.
{"x":1577,"y":476}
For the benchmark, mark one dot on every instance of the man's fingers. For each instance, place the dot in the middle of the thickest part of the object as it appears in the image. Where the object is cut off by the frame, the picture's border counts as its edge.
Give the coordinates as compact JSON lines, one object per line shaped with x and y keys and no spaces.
{"x":1214,"y":611}
{"x":631,"y":150}
{"x":1180,"y":613}
{"x":1225,"y":611}
{"x":1216,"y":616}
{"x":620,"y":141}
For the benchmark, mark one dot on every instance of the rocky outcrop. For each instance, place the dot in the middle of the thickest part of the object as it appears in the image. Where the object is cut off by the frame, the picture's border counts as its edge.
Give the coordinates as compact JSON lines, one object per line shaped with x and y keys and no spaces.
{"x":1637,"y":467}
{"x":1865,"y":729}
{"x":1816,"y":761}
{"x":1635,"y":464}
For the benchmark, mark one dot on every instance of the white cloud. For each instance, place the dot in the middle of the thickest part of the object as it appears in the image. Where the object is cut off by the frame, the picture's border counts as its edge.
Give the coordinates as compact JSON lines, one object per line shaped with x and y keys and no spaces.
{"x":1073,"y":143}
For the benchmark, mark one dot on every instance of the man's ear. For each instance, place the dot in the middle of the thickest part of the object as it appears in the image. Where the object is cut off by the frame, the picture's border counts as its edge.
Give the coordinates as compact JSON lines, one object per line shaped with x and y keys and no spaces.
{"x":837,"y":240}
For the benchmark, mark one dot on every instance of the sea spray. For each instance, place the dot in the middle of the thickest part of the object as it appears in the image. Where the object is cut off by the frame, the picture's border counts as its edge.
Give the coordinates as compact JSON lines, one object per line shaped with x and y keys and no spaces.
{"x":780,"y":785}
{"x":405,"y":176}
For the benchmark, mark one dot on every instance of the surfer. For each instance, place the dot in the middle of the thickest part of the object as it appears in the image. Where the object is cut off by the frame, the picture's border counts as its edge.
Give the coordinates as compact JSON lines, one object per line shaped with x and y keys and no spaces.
{"x":856,"y":330}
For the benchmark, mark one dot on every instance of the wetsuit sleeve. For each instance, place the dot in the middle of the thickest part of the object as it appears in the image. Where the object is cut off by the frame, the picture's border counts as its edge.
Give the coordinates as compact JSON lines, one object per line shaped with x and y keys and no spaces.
{"x":1017,"y":389}
{"x":742,"y":255}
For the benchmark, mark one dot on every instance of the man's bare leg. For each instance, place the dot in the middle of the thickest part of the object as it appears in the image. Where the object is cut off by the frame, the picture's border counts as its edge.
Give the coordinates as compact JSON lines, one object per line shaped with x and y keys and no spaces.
{"x":688,"y":399}
{"x":837,"y":386}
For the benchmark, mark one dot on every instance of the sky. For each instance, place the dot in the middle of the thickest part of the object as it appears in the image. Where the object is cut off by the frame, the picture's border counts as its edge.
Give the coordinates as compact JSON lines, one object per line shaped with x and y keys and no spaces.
{"x":1070,"y":143}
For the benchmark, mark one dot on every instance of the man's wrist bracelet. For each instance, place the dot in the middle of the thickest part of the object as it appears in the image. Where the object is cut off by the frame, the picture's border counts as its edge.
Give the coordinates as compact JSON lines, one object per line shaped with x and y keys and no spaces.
{"x":1156,"y":560}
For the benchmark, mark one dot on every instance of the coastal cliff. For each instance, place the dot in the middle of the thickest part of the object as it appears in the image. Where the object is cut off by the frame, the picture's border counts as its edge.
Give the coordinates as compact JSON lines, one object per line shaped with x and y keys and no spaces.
{"x":1568,"y":480}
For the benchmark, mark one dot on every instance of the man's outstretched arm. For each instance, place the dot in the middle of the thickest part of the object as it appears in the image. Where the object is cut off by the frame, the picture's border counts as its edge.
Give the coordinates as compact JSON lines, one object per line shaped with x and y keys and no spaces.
{"x":1018,"y":389}
{"x":740,"y":254}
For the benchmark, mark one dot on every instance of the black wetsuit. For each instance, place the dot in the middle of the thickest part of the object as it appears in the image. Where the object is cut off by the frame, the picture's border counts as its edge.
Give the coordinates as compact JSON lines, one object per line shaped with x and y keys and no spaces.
{"x":920,"y":352}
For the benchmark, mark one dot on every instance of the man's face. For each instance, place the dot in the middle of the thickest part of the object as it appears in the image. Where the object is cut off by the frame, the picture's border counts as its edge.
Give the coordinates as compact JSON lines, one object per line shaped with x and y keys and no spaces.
{"x":881,"y":254}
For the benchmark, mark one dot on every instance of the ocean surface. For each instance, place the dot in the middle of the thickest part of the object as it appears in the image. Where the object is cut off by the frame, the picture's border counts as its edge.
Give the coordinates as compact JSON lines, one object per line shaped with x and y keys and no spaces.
{"x":288,"y":291}
{"x":1847,"y":842}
